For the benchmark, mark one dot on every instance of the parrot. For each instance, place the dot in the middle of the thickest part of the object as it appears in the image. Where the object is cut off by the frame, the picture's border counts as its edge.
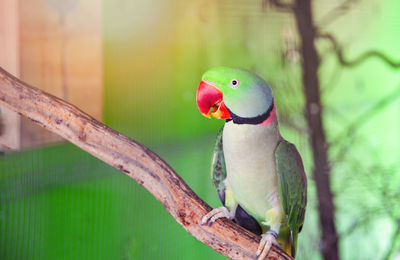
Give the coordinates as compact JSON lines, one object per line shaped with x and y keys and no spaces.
{"x":258,"y":175}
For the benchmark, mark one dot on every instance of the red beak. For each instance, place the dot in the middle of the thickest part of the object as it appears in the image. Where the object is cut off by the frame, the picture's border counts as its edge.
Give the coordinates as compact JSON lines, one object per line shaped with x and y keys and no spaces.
{"x":210,"y":102}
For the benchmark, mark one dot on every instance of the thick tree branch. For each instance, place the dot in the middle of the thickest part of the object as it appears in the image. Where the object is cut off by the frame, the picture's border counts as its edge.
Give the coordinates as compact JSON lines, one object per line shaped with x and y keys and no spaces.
{"x":337,"y":48}
{"x":136,"y":161}
{"x":317,"y":139}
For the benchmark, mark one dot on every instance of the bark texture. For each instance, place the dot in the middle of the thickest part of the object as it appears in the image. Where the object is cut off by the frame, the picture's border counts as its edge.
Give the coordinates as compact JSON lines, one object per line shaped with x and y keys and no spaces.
{"x":136,"y":161}
{"x":321,"y":172}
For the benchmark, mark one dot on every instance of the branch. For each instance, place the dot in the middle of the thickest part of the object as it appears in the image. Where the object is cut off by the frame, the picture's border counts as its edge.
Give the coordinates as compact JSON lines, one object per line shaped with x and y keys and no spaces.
{"x":336,"y":12}
{"x":317,"y":138}
{"x":281,"y":5}
{"x":363,"y":57}
{"x":136,"y":161}
{"x":394,"y":240}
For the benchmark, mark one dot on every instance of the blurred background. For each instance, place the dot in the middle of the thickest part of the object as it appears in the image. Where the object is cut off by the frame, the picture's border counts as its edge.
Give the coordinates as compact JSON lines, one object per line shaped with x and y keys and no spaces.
{"x":135,"y":65}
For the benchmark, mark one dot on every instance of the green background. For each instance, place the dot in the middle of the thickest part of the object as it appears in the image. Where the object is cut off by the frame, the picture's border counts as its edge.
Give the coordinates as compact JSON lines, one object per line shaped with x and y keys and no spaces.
{"x":59,"y":202}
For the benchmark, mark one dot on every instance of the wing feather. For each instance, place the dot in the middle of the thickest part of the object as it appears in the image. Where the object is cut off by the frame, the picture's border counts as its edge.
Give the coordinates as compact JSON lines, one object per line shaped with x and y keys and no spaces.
{"x":218,"y":169}
{"x":292,"y":184}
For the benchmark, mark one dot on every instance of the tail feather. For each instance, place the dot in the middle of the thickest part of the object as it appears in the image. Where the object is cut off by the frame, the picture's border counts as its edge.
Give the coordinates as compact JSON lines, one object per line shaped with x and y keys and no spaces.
{"x":293,"y":243}
{"x":285,"y":239}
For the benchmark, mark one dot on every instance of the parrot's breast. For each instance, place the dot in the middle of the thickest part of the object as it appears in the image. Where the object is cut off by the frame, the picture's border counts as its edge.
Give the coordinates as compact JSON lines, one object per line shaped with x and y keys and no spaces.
{"x":249,"y":152}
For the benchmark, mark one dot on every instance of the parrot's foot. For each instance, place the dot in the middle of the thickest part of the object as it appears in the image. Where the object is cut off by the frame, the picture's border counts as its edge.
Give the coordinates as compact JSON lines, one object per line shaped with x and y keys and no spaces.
{"x":213,"y":215}
{"x":267,"y":240}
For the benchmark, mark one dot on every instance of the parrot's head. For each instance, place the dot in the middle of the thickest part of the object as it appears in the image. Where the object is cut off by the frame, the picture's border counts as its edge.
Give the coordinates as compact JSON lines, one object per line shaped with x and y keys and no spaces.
{"x":237,"y":94}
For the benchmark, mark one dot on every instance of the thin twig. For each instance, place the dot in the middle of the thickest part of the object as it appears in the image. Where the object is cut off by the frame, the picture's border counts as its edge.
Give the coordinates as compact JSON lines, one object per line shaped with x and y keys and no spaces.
{"x":394,"y":241}
{"x":337,"y":48}
{"x":336,"y":12}
{"x":281,"y":6}
{"x":133,"y":159}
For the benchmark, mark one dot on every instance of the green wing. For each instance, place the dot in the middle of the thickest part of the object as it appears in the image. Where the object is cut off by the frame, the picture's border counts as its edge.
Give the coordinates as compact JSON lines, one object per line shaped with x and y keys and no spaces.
{"x":218,"y":170}
{"x":292,"y":186}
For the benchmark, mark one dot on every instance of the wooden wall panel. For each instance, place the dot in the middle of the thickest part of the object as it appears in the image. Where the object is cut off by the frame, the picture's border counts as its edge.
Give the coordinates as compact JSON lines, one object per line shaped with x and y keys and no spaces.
{"x":9,"y":121}
{"x":61,"y":52}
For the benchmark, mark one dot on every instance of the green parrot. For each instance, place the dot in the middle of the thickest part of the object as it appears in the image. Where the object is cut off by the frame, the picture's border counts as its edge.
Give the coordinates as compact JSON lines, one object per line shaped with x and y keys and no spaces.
{"x":259,"y":176}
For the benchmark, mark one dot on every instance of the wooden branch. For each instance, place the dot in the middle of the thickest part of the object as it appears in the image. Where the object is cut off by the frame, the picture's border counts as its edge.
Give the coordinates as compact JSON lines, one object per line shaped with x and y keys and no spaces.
{"x":136,"y":161}
{"x":281,"y":5}
{"x":336,"y":12}
{"x":337,"y":48}
{"x":314,"y":110}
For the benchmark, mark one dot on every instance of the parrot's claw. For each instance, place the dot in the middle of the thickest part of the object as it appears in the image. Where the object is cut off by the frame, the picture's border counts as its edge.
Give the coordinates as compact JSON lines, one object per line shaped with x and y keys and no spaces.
{"x":267,"y":240}
{"x":215,"y":214}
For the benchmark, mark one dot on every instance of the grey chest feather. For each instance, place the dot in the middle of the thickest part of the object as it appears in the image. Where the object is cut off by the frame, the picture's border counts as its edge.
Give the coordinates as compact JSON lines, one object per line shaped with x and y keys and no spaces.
{"x":249,"y":152}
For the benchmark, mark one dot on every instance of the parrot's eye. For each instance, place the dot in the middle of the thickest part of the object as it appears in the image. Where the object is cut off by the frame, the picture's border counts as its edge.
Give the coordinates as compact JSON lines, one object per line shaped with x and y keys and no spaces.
{"x":234,"y":83}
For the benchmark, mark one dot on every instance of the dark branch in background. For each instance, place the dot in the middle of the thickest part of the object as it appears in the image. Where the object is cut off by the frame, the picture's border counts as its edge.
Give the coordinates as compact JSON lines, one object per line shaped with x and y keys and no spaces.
{"x":347,"y":136}
{"x":394,"y":240}
{"x":337,"y":48}
{"x":308,"y":34}
{"x":136,"y":161}
{"x":280,"y":5}
{"x":302,"y":11}
{"x":336,"y":12}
